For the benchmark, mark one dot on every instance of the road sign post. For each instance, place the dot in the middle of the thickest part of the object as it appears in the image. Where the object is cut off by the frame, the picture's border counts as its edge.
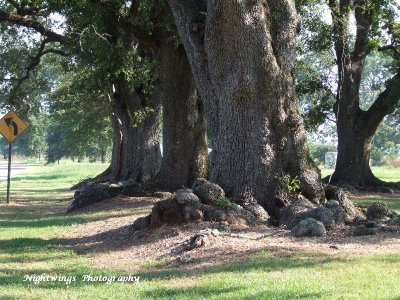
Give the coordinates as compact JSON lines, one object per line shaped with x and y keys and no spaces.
{"x":11,"y":127}
{"x":9,"y":172}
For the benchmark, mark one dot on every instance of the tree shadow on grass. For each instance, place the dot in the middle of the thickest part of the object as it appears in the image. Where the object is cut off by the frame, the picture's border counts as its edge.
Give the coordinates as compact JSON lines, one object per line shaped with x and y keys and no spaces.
{"x":8,"y":297}
{"x":57,"y":220}
{"x":231,"y":293}
{"x":265,"y":262}
{"x":34,"y":215}
{"x":38,"y":177}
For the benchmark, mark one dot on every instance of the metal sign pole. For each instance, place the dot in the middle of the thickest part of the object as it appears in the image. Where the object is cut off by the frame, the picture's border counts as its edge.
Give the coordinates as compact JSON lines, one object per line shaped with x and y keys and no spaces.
{"x":9,"y":173}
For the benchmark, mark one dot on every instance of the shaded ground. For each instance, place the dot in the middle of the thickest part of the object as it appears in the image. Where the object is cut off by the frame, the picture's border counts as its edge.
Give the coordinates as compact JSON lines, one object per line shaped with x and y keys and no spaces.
{"x":110,"y":242}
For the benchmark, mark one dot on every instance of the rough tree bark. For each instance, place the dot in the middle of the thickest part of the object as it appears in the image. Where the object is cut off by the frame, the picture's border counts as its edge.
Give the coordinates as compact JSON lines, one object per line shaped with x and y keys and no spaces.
{"x":185,"y":155}
{"x":136,"y":151}
{"x":356,"y":127}
{"x":242,"y":54}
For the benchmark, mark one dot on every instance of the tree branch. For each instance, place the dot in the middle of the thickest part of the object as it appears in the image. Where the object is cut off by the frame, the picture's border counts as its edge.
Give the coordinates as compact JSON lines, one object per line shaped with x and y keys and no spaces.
{"x":385,"y":103}
{"x":145,"y":40}
{"x":364,"y":22}
{"x":35,"y":61}
{"x":31,"y":24}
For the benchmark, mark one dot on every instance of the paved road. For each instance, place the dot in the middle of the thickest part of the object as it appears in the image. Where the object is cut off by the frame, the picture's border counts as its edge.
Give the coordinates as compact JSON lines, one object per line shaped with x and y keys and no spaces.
{"x":15,"y":169}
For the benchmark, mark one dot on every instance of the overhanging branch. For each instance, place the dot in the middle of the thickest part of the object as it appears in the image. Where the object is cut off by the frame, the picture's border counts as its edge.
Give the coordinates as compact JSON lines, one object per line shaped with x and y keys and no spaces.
{"x":385,"y":103}
{"x":31,"y":24}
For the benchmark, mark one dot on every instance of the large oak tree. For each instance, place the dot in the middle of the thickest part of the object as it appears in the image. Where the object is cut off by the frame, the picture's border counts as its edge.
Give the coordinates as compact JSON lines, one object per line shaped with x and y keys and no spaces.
{"x":243,"y":57}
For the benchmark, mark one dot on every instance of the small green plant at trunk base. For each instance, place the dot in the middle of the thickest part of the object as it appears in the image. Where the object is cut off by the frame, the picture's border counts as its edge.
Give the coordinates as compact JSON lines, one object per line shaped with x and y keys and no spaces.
{"x":292,"y":185}
{"x":224,"y":202}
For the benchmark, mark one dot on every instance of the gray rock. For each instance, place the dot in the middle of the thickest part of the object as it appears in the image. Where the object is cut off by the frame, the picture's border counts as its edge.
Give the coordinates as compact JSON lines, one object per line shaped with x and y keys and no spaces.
{"x":167,"y":212}
{"x":290,"y":216}
{"x":338,"y":194}
{"x":238,"y":213}
{"x":371,"y":224}
{"x":309,"y":227}
{"x":331,"y":214}
{"x":324,"y":215}
{"x":364,"y":230}
{"x":359,"y":220}
{"x":395,"y":221}
{"x":209,"y":232}
{"x":142,"y":223}
{"x":186,"y":196}
{"x":339,"y":213}
{"x":208,"y":192}
{"x":378,"y":210}
{"x":192,"y":213}
{"x":258,"y":211}
{"x":198,"y":182}
{"x":220,"y":216}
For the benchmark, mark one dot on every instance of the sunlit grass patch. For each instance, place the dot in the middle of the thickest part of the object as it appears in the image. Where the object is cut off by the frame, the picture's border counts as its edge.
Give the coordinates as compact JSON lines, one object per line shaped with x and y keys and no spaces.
{"x":383,"y":173}
{"x":393,"y":204}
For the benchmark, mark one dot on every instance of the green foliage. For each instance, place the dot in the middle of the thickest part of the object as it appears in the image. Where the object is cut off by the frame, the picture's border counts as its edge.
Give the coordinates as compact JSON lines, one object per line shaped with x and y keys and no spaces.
{"x":313,"y":89}
{"x":291,"y":184}
{"x":317,"y":152}
{"x":224,"y":203}
{"x":386,"y":143}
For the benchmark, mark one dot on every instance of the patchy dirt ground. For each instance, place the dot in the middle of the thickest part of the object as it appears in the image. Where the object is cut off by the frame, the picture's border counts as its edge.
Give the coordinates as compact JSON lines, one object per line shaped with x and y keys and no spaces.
{"x":111,"y":243}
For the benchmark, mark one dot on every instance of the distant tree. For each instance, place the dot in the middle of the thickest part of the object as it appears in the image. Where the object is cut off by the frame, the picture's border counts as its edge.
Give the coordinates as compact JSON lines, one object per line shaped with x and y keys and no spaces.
{"x":55,"y":148}
{"x":376,"y":30}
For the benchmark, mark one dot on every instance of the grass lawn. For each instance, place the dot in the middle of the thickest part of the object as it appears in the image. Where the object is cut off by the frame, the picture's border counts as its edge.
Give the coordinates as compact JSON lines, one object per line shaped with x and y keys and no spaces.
{"x":31,"y":244}
{"x":383,"y":173}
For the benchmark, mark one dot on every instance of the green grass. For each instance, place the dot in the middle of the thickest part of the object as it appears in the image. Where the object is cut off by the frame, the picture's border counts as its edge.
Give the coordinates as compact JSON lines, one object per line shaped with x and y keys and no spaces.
{"x":31,"y":242}
{"x":393,"y":204}
{"x":383,"y":173}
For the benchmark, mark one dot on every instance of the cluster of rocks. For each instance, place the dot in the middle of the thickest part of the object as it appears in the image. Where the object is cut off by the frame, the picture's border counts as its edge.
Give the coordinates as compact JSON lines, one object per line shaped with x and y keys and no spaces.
{"x":206,"y":201}
{"x":378,"y":218}
{"x":201,"y":203}
{"x":304,"y":218}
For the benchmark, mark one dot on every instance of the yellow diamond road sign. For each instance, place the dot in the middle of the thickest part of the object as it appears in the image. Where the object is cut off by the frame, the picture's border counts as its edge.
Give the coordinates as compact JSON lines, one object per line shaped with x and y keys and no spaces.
{"x":11,"y":126}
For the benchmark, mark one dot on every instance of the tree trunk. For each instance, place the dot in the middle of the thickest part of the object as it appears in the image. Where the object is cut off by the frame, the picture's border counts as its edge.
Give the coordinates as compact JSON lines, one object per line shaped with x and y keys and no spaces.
{"x":242,"y":55}
{"x":136,"y":152}
{"x":354,"y":150}
{"x":185,"y":154}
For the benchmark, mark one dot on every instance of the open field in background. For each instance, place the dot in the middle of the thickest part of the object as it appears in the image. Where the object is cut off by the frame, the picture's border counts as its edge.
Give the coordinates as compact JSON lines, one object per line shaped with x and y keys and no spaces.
{"x":31,"y":243}
{"x":383,"y":173}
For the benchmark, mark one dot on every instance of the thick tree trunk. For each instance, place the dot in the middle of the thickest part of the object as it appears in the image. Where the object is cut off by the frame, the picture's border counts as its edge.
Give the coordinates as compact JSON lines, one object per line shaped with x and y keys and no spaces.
{"x":136,"y":154}
{"x":243,"y":55}
{"x":354,"y":150}
{"x":185,"y":155}
{"x":136,"y":151}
